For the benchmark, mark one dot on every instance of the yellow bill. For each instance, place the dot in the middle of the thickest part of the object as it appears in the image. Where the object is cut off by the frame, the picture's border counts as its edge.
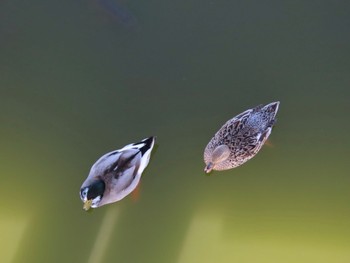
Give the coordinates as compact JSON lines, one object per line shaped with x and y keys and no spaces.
{"x":87,"y":205}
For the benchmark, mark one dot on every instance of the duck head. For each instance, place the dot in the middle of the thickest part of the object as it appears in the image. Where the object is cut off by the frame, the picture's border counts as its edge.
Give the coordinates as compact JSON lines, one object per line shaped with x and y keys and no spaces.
{"x":92,"y":194}
{"x":220,"y":154}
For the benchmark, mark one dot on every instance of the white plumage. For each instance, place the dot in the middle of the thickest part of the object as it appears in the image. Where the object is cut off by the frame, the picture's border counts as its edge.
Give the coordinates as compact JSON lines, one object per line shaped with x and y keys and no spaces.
{"x":116,"y":174}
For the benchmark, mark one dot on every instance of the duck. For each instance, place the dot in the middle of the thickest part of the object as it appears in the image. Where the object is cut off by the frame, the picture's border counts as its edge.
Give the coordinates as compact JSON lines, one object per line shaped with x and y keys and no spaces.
{"x":116,"y":174}
{"x":240,"y":138}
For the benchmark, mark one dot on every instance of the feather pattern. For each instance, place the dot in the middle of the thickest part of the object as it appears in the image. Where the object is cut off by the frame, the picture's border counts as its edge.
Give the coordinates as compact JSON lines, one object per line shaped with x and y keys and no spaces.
{"x":240,"y":138}
{"x":119,"y":171}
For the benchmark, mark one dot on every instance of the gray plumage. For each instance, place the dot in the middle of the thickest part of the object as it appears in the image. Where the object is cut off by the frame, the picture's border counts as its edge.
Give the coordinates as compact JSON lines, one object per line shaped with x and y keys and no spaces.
{"x":116,"y":174}
{"x":240,"y":138}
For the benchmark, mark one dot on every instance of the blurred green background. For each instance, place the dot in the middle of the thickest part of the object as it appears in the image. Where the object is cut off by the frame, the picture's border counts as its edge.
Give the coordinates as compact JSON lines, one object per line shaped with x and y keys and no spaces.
{"x":81,"y":78}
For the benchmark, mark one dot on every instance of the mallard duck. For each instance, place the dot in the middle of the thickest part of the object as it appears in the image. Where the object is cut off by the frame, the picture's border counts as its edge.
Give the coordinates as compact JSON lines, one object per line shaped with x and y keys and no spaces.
{"x":240,"y":138}
{"x":116,"y":174}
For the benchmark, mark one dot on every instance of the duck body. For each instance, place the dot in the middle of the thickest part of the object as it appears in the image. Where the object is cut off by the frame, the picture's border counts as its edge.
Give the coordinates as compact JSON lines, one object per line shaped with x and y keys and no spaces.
{"x":240,"y":138}
{"x":116,"y":174}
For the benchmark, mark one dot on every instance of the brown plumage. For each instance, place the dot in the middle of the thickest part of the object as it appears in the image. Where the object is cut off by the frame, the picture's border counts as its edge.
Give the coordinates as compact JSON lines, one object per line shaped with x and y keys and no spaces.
{"x":240,"y":138}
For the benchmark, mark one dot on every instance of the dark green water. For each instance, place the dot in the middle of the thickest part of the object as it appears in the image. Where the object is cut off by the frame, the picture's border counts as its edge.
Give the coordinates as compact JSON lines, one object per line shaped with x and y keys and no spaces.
{"x":81,"y":78}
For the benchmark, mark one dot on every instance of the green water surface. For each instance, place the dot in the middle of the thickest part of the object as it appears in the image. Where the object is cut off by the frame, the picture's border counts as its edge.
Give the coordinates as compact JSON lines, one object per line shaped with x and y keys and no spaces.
{"x":81,"y":78}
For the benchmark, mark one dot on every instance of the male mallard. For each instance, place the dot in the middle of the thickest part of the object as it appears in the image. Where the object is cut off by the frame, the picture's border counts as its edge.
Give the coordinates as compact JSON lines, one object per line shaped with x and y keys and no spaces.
{"x":116,"y":174}
{"x":240,"y":138}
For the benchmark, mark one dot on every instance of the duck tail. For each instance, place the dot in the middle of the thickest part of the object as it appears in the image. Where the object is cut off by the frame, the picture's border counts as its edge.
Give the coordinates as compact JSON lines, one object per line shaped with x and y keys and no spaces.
{"x":272,"y":108}
{"x":145,"y":144}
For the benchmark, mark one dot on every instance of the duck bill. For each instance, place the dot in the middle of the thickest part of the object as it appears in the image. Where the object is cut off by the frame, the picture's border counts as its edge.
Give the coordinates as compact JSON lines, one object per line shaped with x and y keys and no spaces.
{"x":208,"y":168}
{"x":87,"y":205}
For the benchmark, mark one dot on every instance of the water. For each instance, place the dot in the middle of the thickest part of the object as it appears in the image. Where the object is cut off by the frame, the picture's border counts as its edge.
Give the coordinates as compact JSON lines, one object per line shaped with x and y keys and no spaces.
{"x":78,"y":81}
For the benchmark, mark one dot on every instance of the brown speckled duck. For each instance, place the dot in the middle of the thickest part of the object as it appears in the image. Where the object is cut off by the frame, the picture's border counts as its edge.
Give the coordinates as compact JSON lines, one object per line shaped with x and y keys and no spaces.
{"x":240,"y":138}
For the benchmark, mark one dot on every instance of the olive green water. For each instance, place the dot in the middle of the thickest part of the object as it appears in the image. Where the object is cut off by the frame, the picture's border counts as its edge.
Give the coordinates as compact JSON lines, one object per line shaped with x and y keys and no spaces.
{"x":81,"y":78}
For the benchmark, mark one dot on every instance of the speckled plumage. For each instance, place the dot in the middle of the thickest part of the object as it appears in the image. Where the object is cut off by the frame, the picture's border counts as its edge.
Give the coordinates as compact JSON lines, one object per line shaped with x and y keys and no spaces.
{"x":240,"y":138}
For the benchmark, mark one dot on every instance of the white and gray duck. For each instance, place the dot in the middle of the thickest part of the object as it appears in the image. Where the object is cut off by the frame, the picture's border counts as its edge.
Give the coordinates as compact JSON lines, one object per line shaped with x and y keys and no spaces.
{"x":116,"y":174}
{"x":240,"y":138}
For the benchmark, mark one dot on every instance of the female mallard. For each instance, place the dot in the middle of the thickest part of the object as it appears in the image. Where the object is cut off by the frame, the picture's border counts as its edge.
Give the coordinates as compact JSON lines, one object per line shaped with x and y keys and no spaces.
{"x":116,"y":174}
{"x":240,"y":138}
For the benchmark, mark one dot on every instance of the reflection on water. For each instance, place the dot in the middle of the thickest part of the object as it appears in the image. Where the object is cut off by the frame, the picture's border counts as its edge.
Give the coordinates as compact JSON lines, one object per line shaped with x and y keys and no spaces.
{"x":120,"y":12}
{"x":206,"y":242}
{"x":102,"y":241}
{"x":12,"y":231}
{"x":203,"y":241}
{"x":74,"y":86}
